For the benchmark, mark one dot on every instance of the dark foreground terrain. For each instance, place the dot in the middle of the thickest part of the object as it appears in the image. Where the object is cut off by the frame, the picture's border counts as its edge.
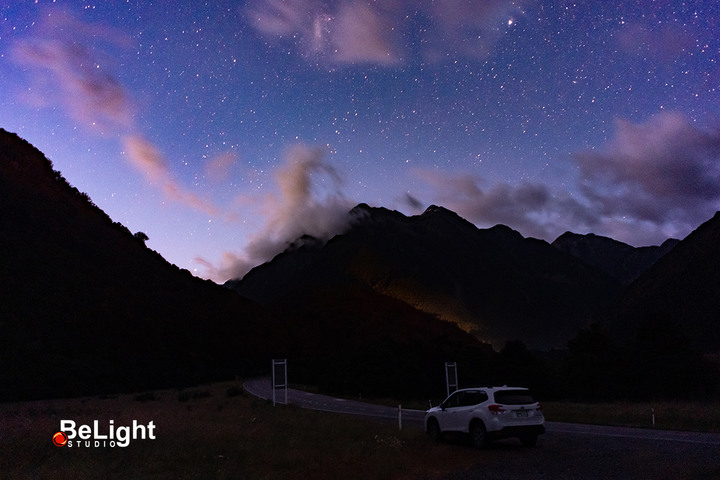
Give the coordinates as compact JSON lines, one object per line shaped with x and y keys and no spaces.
{"x":563,"y":455}
{"x":220,"y":431}
{"x":571,"y":451}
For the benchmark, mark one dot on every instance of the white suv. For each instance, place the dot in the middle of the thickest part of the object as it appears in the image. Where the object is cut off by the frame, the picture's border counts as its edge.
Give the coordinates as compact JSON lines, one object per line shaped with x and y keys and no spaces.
{"x":488,"y":414}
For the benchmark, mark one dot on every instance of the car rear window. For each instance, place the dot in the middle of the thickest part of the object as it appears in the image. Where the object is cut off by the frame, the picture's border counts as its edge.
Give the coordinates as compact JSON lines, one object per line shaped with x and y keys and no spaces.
{"x":514,"y":397}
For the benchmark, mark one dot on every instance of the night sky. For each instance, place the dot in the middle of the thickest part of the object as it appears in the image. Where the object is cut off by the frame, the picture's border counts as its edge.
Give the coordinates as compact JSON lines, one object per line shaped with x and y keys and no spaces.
{"x":224,"y":129}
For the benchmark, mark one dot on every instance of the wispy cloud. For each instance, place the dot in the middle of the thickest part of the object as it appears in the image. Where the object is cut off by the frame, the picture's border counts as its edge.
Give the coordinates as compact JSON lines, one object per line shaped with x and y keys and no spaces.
{"x":219,"y":168}
{"x":665,"y":171}
{"x":652,"y":180}
{"x":351,"y":32}
{"x":532,"y":208}
{"x":362,"y":35}
{"x":663,"y":42}
{"x":70,"y":63}
{"x":308,"y":201}
{"x":68,"y":73}
{"x":360,"y":31}
{"x":148,"y":160}
{"x":471,"y":28}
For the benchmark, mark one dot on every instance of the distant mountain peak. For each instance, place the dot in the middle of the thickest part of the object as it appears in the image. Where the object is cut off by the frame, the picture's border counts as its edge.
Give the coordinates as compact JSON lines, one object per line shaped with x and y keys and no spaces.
{"x":505,"y":230}
{"x":620,"y":260}
{"x":492,"y":282}
{"x":364,"y":212}
{"x":433,"y":209}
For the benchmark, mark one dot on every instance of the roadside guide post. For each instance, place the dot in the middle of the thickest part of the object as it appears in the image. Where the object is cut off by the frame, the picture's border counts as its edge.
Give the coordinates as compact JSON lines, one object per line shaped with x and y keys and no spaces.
{"x":451,"y":378}
{"x":279,"y":379}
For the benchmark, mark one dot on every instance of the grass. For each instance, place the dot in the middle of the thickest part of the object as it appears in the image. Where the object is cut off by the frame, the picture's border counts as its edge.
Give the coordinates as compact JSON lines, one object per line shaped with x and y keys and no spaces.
{"x":669,"y":415}
{"x":216,"y":431}
{"x":219,"y":431}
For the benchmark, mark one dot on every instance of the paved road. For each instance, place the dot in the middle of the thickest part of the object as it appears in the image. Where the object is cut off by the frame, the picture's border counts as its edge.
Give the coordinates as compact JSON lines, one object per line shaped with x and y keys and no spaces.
{"x":566,"y":451}
{"x":261,"y":387}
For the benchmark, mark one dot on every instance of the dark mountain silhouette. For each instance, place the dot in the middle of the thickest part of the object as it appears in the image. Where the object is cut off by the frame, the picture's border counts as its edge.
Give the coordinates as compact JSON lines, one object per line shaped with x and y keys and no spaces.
{"x":682,"y":288}
{"x":584,"y":343}
{"x":87,"y":308}
{"x":493,"y":283}
{"x":621,"y":261}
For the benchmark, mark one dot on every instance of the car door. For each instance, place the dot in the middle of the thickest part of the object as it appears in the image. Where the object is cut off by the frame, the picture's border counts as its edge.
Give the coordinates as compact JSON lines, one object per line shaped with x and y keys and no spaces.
{"x":447,"y":416}
{"x":465,"y":410}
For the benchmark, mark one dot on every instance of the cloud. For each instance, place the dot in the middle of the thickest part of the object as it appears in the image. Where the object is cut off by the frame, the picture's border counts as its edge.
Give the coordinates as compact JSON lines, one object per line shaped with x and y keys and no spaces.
{"x":218,"y":168}
{"x":361,"y":31}
{"x":468,"y":27}
{"x":70,"y":66}
{"x":361,"y":35}
{"x":532,"y":208}
{"x":148,"y":160}
{"x":298,"y":208}
{"x":412,"y":202}
{"x":349,"y":32}
{"x":653,"y":180}
{"x":665,"y":171}
{"x":283,"y":17}
{"x":68,"y":73}
{"x":664,"y":43}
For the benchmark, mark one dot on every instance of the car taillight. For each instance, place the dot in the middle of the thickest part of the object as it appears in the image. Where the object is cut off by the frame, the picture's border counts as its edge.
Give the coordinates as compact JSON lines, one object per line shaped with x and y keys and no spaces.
{"x":539,"y":406}
{"x":495,"y":409}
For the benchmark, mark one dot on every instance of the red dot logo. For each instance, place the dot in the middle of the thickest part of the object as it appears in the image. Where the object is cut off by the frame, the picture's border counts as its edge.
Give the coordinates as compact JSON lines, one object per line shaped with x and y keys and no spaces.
{"x":60,"y":439}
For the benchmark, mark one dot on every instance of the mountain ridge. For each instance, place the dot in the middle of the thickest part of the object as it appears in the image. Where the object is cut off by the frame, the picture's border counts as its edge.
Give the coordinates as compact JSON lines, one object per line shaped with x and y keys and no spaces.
{"x":86,"y":308}
{"x":444,"y":265}
{"x":493,"y":283}
{"x":683,"y":287}
{"x":620,"y":260}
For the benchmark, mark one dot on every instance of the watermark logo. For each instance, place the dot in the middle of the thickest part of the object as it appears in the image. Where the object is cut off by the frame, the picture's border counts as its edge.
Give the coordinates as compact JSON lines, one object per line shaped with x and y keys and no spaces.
{"x":72,"y":435}
{"x":60,"y":439}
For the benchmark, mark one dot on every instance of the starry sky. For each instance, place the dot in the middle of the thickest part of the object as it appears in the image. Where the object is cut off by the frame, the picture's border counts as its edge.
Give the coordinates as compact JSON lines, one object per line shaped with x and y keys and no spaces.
{"x":224,"y":130}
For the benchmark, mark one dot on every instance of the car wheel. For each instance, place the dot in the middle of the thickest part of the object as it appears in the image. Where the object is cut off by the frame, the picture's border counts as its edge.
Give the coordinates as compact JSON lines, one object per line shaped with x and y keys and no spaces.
{"x":478,"y":434}
{"x":529,"y":440}
{"x":433,"y":429}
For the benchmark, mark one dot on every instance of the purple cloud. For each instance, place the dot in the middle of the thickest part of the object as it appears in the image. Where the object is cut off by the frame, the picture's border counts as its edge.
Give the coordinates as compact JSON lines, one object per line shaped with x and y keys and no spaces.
{"x":78,"y":78}
{"x":298,"y":208}
{"x":148,"y":160}
{"x":663,"y":171}
{"x":361,"y":35}
{"x":531,"y":208}
{"x":72,"y":76}
{"x":664,"y":43}
{"x":360,"y":31}
{"x":468,"y":27}
{"x":653,"y":180}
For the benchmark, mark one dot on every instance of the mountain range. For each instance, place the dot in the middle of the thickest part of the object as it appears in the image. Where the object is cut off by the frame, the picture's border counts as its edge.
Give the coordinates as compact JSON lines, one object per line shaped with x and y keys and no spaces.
{"x":86,"y":307}
{"x":493,"y":283}
{"x":496,"y":284}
